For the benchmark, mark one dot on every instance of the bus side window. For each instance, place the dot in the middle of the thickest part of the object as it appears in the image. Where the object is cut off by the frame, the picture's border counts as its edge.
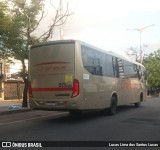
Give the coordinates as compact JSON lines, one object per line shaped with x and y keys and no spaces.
{"x":132,"y":70}
{"x":135,"y":71}
{"x":99,"y":63}
{"x":115,"y":67}
{"x":108,"y":65}
{"x":139,"y":73}
{"x":88,"y":58}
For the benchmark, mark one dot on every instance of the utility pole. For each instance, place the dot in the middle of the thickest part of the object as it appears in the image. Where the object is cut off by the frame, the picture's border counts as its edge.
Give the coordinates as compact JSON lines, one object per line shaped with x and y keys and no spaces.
{"x":61,"y":19}
{"x":140,"y":30}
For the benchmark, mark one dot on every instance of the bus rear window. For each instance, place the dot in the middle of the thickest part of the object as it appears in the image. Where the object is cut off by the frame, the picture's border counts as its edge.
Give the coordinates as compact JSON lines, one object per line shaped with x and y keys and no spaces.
{"x":55,"y":52}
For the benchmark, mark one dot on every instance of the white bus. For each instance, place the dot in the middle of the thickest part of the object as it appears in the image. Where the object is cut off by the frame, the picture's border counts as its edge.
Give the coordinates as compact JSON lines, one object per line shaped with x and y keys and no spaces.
{"x":73,"y":76}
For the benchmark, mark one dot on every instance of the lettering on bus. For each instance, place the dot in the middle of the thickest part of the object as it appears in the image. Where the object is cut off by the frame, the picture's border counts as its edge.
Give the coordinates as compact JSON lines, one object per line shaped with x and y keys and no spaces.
{"x":50,"y":68}
{"x":129,"y":85}
{"x":64,"y":84}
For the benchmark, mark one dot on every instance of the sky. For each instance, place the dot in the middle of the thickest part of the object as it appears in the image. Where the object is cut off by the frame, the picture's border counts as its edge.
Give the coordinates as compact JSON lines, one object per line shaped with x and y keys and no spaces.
{"x":104,"y":23}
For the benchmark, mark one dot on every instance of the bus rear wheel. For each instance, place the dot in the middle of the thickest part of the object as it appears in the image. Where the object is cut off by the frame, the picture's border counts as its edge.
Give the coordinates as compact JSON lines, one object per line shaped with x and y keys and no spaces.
{"x":113,"y":106}
{"x":138,"y":104}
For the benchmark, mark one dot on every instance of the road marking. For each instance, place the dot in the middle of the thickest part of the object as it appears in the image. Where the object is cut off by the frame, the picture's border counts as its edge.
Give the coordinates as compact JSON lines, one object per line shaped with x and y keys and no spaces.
{"x":31,"y":119}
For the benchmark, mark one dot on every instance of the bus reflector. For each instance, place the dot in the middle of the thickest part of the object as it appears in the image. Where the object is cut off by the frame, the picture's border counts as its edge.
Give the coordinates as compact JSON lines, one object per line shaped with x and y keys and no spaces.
{"x":75,"y":88}
{"x":30,"y":89}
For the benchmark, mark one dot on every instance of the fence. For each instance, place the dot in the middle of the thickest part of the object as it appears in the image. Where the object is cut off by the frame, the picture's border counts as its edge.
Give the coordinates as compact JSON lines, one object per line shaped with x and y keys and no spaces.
{"x":13,"y":89}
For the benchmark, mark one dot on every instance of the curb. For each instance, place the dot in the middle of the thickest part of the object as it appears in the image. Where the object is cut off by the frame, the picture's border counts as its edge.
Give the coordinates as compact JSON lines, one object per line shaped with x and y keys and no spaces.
{"x":7,"y":112}
{"x":13,"y":100}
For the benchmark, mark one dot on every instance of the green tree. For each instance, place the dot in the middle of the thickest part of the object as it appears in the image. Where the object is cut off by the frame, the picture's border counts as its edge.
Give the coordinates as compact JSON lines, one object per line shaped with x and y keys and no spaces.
{"x":24,"y":18}
{"x":5,"y":26}
{"x":152,"y":64}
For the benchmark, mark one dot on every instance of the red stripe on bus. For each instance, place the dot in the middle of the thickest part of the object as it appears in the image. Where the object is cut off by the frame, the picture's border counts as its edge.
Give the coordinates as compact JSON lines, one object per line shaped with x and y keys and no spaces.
{"x":50,"y":89}
{"x":47,"y":63}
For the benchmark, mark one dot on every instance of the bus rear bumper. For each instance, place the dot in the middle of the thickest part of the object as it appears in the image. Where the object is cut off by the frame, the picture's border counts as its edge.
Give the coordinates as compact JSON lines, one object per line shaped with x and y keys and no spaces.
{"x":61,"y":105}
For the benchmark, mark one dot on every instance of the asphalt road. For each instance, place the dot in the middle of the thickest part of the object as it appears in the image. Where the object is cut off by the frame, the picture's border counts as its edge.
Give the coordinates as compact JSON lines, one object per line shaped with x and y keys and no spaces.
{"x":129,"y":124}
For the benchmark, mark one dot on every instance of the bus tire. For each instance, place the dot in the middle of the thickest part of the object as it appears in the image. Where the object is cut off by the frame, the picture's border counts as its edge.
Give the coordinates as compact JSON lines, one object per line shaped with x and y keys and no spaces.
{"x":138,"y":104}
{"x":113,"y":106}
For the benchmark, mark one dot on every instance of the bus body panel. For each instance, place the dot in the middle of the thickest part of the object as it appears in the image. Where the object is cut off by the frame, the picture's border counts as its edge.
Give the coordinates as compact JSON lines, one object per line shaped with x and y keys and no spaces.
{"x":52,"y":72}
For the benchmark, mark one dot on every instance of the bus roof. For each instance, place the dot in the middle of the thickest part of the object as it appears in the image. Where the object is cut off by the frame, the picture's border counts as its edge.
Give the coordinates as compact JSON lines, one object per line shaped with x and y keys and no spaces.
{"x":85,"y":44}
{"x":52,"y":42}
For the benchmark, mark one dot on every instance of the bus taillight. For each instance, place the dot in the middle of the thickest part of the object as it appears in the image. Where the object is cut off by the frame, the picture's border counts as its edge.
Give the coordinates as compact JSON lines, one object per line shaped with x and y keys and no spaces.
{"x":75,"y":88}
{"x":30,"y":89}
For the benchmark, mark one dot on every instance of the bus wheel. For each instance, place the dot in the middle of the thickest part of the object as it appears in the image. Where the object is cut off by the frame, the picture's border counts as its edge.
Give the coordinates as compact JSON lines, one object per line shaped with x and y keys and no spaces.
{"x":113,"y":106}
{"x":138,"y":104}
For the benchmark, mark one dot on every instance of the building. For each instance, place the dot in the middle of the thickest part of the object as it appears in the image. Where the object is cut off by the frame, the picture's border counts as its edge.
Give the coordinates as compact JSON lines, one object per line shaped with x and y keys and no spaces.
{"x":11,"y":84}
{"x":12,"y":70}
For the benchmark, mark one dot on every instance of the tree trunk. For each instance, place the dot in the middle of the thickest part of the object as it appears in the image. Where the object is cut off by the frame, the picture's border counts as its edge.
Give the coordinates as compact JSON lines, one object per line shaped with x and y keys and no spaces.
{"x":25,"y":79}
{"x":24,"y":103}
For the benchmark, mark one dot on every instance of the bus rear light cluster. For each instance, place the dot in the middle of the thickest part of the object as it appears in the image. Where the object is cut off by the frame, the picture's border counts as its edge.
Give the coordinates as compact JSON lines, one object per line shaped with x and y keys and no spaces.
{"x":75,"y":88}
